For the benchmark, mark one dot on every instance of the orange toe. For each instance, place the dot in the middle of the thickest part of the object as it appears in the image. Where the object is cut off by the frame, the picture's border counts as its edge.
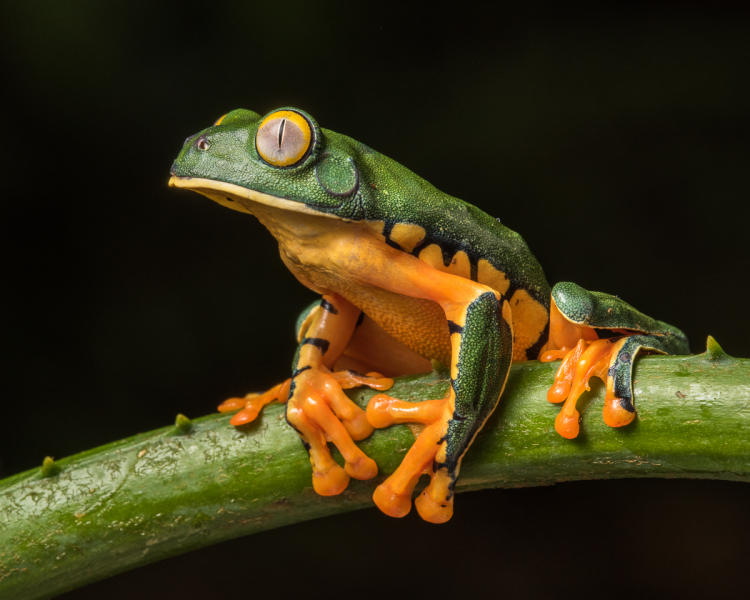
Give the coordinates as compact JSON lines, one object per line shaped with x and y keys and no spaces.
{"x":433,"y":511}
{"x":615,"y":415}
{"x":391,"y":503}
{"x":330,"y":482}
{"x":245,"y":416}
{"x":231,"y":405}
{"x":567,"y":424}
{"x":362,"y":468}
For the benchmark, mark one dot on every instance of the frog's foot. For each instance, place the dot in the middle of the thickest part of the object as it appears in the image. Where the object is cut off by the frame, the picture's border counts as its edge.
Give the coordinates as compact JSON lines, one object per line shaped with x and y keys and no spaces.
{"x":393,"y":496}
{"x":608,"y":359}
{"x":249,"y":406}
{"x":321,"y":412}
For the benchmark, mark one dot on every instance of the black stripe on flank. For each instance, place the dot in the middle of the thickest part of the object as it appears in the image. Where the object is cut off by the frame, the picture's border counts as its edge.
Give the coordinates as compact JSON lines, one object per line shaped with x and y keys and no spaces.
{"x":449,"y":248}
{"x":532,"y":352}
{"x":318,"y":343}
{"x":605,"y":334}
{"x":301,"y":370}
{"x":454,"y":327}
{"x":325,"y":305}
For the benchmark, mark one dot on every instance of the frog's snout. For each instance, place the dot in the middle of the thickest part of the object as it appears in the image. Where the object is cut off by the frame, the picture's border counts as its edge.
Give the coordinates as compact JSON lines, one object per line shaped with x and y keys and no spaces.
{"x":174,"y":175}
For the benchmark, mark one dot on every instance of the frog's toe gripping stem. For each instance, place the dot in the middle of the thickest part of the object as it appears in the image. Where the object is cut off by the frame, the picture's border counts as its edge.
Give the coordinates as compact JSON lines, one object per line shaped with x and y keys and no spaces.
{"x":591,"y":359}
{"x":393,"y":496}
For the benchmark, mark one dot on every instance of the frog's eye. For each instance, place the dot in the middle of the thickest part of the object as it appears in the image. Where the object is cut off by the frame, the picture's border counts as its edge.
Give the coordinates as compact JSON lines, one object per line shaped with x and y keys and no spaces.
{"x":202,"y":143}
{"x":284,"y":138}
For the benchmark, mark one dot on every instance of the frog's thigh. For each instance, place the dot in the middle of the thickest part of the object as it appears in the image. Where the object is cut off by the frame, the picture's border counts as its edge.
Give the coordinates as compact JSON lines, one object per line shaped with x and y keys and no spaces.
{"x":479,"y":321}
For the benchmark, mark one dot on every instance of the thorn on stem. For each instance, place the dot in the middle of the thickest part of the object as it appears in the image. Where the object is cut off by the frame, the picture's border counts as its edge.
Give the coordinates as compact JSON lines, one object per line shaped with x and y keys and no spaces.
{"x":183,"y":424}
{"x":713,"y":350}
{"x":49,"y":467}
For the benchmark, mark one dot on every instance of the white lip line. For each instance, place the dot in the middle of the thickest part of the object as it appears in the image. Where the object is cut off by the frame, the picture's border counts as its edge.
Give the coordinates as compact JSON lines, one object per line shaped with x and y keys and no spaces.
{"x":213,"y":185}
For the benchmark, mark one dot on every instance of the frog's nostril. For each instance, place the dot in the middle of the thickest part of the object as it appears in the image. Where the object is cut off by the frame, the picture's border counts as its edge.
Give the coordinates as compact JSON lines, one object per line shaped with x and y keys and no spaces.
{"x":187,"y":139}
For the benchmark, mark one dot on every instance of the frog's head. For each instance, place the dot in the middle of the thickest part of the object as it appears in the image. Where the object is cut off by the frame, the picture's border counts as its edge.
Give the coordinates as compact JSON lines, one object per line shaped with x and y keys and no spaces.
{"x":283,"y":160}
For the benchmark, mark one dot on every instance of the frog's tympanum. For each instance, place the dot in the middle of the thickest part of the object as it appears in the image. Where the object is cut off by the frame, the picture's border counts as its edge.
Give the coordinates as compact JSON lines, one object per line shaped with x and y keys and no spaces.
{"x":407,"y":275}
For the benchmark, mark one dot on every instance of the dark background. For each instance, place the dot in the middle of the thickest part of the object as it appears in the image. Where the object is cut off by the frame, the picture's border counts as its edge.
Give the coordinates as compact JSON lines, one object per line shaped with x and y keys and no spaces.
{"x":616,"y":141}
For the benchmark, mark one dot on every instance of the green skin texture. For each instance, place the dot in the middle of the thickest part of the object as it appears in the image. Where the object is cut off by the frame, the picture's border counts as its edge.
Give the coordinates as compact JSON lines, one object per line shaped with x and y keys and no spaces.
{"x":345,"y":178}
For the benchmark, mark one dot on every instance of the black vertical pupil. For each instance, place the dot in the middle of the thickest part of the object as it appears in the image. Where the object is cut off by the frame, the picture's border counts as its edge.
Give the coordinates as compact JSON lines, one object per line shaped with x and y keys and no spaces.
{"x":281,"y":131}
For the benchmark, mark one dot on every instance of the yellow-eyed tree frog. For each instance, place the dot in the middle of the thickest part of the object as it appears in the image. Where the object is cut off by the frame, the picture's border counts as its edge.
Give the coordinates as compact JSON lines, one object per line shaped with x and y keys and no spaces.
{"x":407,"y":274}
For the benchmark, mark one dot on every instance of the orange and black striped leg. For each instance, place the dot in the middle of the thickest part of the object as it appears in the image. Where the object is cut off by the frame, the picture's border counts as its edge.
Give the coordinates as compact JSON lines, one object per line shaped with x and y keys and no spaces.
{"x":481,"y":340}
{"x":248,"y":408}
{"x":319,"y":409}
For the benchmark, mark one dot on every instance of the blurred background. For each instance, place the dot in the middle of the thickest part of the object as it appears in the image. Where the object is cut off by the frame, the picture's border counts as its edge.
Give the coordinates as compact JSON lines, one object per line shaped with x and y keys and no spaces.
{"x":615,"y":141}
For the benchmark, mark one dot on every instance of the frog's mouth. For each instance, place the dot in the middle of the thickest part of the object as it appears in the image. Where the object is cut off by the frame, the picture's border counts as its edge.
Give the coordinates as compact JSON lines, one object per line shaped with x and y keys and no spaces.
{"x":240,"y":198}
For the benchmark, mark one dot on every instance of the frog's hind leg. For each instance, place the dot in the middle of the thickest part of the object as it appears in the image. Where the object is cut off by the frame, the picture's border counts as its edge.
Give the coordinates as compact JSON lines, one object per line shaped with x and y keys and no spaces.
{"x":480,"y":332}
{"x":599,"y":335}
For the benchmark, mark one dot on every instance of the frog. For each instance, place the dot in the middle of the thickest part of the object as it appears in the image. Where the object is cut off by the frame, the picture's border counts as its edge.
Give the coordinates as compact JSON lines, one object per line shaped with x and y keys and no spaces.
{"x":408,"y":277}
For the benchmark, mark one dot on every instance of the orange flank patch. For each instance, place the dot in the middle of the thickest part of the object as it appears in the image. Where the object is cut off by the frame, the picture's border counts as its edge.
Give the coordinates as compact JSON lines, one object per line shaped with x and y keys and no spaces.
{"x":489,"y":275}
{"x":407,"y":235}
{"x":459,"y":264}
{"x":376,"y":227}
{"x":529,"y":320}
{"x":433,"y":256}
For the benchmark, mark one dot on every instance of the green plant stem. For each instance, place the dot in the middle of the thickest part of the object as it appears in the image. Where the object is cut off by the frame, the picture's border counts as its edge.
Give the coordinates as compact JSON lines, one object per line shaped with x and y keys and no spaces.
{"x":175,"y":489}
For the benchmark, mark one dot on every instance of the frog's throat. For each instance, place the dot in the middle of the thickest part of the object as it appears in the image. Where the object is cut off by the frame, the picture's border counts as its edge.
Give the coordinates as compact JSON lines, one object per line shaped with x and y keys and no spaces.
{"x":241,"y":198}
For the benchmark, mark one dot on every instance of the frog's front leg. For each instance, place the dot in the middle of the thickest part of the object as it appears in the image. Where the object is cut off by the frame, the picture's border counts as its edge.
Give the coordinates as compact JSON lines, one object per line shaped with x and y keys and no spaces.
{"x":319,"y":409}
{"x":479,"y":323}
{"x":599,"y":335}
{"x":248,"y":407}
